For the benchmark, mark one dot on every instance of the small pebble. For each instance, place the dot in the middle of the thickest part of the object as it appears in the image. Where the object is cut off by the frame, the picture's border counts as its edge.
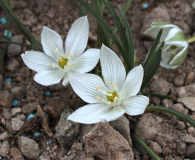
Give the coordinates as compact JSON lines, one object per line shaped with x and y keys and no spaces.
{"x":15,"y":103}
{"x":30,"y":116}
{"x":6,"y":32}
{"x":37,"y":134}
{"x":3,"y":20}
{"x":145,"y":5}
{"x":8,"y":79}
{"x":50,"y":141}
{"x":48,"y":93}
{"x":22,"y":135}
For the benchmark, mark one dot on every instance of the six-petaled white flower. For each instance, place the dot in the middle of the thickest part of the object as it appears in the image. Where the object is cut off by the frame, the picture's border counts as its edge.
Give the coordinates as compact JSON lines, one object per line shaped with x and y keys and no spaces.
{"x":113,"y":97}
{"x":175,"y":48}
{"x":56,"y":63}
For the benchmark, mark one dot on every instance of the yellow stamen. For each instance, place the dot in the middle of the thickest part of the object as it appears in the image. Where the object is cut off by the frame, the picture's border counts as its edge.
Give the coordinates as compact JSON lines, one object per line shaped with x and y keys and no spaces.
{"x":68,"y":65}
{"x":53,"y":65}
{"x":71,"y":55}
{"x":97,"y":88}
{"x":56,"y":51}
{"x":115,"y":99}
{"x":99,"y":98}
{"x":114,"y":87}
{"x":112,"y":96}
{"x":108,"y":82}
{"x":67,"y":53}
{"x":108,"y":103}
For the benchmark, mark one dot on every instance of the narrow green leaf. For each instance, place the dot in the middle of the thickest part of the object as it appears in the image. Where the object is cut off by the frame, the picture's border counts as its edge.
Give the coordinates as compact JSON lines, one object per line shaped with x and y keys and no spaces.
{"x":107,"y":29}
{"x":172,"y":112}
{"x":82,"y":10}
{"x":144,"y":146}
{"x":118,"y":24}
{"x":148,"y":74}
{"x":152,"y":55}
{"x":130,"y":53}
{"x":35,"y":44}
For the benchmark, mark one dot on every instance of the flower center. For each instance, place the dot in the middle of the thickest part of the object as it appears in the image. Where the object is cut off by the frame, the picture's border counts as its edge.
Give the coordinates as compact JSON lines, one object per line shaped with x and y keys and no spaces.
{"x":113,"y":97}
{"x":110,"y":96}
{"x":62,"y":61}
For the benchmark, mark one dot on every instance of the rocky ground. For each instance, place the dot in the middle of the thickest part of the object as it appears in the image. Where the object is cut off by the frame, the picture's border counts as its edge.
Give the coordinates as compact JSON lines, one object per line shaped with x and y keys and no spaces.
{"x":33,"y":118}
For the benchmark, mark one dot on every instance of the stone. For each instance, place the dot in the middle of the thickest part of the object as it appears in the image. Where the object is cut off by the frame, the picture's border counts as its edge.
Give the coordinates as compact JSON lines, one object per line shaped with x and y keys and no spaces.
{"x":186,"y":91}
{"x":17,"y":4}
{"x":188,"y":138}
{"x":28,"y":147}
{"x":7,"y":85}
{"x":12,"y":64}
{"x":178,"y":107}
{"x":18,"y":92}
{"x":55,"y":107}
{"x":180,"y":125}
{"x":155,"y":100}
{"x":167,"y":103}
{"x":155,"y":147}
{"x":33,"y":94}
{"x":190,"y":151}
{"x":122,"y":126}
{"x":158,"y":14}
{"x":85,"y":129}
{"x":41,"y":6}
{"x":166,"y":151}
{"x":178,"y":80}
{"x":5,"y":149}
{"x":106,"y":143}
{"x":189,"y":102}
{"x":189,"y":78}
{"x":66,"y":131}
{"x":191,"y":130}
{"x":6,"y":99}
{"x":181,"y":148}
{"x":8,"y":124}
{"x":16,"y":154}
{"x":29,"y":107}
{"x":160,"y":141}
{"x":3,"y":136}
{"x":7,"y":115}
{"x":15,"y":111}
{"x":17,"y":123}
{"x":44,"y":120}
{"x":160,"y":86}
{"x":14,"y":49}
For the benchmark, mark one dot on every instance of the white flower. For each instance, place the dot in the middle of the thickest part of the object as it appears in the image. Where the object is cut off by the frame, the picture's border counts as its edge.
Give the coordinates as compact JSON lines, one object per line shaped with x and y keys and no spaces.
{"x":113,"y":97}
{"x":56,"y":64}
{"x":174,"y":51}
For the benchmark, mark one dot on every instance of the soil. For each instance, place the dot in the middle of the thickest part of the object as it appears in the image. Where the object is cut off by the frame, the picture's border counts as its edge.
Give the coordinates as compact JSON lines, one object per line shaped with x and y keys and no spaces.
{"x":175,"y":138}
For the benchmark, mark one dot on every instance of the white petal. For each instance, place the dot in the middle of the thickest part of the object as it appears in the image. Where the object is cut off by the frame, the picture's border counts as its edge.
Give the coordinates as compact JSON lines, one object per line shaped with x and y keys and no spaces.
{"x":85,"y":86}
{"x":89,"y":114}
{"x":112,"y":67}
{"x":67,"y":77}
{"x":113,"y":114}
{"x":135,"y":105}
{"x":49,"y":77}
{"x":172,"y":33}
{"x":87,"y":61}
{"x":165,"y":63}
{"x":37,"y":61}
{"x":133,"y":82}
{"x":77,"y":37}
{"x":51,"y":41}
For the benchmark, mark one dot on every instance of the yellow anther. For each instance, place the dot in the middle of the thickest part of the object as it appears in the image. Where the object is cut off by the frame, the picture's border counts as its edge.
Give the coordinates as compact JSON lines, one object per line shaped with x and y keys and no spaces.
{"x":108,"y":82}
{"x":114,"y":86}
{"x":53,"y":65}
{"x":71,"y":55}
{"x":97,"y":88}
{"x":56,"y":51}
{"x":99,"y":98}
{"x":67,"y":53}
{"x":115,"y":99}
{"x":68,"y":65}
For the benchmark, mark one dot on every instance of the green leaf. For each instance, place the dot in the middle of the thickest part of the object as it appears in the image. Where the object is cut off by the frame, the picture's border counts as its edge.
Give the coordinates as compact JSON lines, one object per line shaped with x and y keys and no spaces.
{"x":153,"y":66}
{"x":130,"y":53}
{"x":144,"y":146}
{"x":106,"y":28}
{"x":12,"y":42}
{"x":172,"y":112}
{"x":35,"y":44}
{"x":152,"y":54}
{"x":118,"y":24}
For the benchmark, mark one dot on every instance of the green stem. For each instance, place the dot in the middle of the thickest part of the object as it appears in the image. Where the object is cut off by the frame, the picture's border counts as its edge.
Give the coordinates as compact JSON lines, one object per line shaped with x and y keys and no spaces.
{"x":191,"y":40}
{"x":127,"y":4}
{"x":172,"y":112}
{"x":144,"y":146}
{"x":159,"y":95}
{"x":24,"y":45}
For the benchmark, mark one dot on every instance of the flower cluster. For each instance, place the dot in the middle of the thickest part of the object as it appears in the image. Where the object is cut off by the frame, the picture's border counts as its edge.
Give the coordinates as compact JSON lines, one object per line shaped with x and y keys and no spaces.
{"x":175,"y":48}
{"x":109,"y":98}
